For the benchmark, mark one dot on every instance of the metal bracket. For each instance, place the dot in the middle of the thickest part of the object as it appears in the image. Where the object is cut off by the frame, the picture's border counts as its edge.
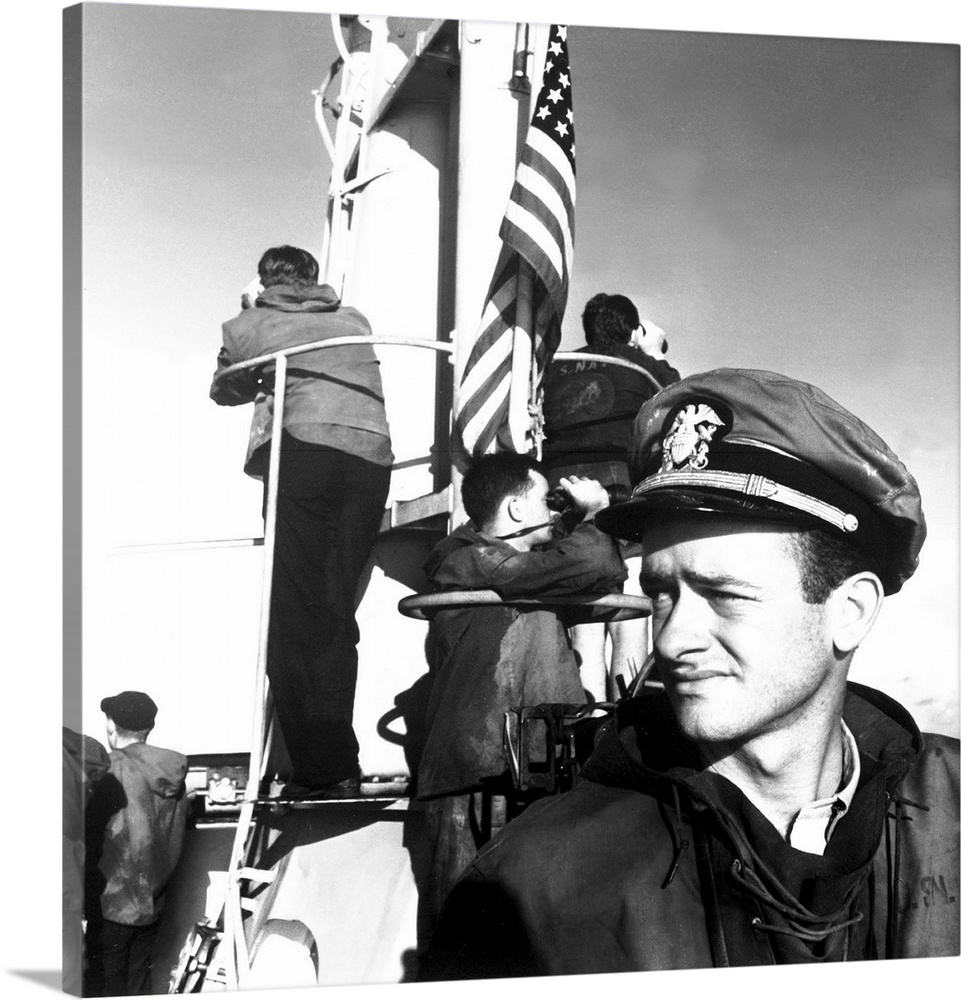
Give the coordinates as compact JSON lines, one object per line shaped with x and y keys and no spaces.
{"x":540,"y":745}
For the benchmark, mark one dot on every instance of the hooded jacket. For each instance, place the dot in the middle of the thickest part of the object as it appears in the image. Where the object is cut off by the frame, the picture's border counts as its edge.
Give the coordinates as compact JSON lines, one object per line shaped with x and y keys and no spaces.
{"x":334,"y":396}
{"x":486,"y":660}
{"x":135,"y":831}
{"x":651,"y":863}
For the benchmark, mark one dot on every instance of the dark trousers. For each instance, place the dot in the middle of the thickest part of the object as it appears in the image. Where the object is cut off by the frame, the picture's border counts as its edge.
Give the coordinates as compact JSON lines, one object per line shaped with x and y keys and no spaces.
{"x":329,"y":510}
{"x":121,"y":959}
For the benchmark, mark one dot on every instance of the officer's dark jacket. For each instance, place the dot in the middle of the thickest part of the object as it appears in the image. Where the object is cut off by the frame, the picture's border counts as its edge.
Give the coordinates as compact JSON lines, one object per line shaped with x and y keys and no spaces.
{"x":653,"y":864}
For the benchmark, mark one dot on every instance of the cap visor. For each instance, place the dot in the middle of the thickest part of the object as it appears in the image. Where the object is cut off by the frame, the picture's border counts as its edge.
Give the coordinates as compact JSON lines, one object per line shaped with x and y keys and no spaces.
{"x":627,"y":520}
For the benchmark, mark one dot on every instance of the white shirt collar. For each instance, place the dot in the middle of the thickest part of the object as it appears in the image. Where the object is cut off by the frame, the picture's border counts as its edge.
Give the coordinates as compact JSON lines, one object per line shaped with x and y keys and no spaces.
{"x":814,"y":824}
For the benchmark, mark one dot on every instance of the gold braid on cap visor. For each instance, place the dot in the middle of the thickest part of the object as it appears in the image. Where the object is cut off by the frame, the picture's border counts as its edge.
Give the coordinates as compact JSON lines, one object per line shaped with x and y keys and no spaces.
{"x":752,"y":485}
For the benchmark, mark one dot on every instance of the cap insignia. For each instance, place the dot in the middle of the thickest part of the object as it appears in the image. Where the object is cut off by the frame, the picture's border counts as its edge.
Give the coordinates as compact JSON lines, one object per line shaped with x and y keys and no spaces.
{"x":686,"y":443}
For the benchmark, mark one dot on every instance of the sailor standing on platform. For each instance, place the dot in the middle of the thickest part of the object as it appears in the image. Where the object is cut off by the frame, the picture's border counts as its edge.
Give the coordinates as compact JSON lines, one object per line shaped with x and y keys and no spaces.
{"x":589,"y":407}
{"x":333,"y":484}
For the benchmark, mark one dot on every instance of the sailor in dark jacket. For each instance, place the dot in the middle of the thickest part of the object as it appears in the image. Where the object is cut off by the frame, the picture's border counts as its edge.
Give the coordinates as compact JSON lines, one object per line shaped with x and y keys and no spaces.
{"x":487,"y":660}
{"x":761,"y":809}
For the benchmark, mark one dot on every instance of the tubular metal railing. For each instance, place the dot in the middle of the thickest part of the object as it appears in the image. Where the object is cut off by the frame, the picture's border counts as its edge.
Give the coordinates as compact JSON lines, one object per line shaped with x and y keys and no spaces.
{"x":609,"y":360}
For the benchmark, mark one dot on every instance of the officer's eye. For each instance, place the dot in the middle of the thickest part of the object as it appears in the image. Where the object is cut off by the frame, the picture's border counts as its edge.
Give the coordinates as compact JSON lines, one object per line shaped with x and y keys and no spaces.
{"x":729,"y":598}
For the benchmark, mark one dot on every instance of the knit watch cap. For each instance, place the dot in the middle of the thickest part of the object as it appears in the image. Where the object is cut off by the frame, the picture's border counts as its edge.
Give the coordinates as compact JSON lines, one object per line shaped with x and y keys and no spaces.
{"x":131,"y":710}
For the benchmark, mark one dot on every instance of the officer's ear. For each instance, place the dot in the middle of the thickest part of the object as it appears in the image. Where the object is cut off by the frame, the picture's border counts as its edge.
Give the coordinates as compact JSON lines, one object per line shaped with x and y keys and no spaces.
{"x":854,"y":606}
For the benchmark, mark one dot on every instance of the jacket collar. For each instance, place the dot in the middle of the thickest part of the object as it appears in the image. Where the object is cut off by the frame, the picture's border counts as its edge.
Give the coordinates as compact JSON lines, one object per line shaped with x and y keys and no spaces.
{"x":299,"y":298}
{"x":743,"y":863}
{"x":641,"y":747}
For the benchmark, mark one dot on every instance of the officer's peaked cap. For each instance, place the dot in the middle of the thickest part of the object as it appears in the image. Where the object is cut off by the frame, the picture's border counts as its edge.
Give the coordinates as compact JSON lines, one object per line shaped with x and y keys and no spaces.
{"x":763,"y":445}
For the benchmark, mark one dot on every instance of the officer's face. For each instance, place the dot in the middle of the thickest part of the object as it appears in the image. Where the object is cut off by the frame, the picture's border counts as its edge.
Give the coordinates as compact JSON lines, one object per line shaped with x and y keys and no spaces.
{"x":739,"y":651}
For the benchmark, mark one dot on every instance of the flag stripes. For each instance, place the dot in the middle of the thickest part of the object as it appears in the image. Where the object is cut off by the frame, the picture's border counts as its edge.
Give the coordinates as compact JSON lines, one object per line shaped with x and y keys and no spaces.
{"x":499,"y":393}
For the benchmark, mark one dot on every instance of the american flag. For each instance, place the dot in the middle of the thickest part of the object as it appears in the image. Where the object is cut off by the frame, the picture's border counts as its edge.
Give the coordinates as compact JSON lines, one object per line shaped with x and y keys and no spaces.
{"x":500,"y":390}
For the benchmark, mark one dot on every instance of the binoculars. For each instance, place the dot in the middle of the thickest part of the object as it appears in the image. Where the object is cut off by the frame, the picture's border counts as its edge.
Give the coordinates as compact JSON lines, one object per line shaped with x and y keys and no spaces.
{"x":559,"y":501}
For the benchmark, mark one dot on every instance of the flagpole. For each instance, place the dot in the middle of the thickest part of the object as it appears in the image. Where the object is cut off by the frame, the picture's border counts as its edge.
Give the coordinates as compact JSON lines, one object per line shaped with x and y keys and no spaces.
{"x":522,"y":358}
{"x":487,"y":157}
{"x":487,"y":116}
{"x":523,"y":363}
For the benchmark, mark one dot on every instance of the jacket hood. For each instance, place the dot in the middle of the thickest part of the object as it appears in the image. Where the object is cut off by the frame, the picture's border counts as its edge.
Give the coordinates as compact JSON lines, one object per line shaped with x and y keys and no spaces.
{"x":299,"y":298}
{"x":86,"y":756}
{"x":459,"y":539}
{"x":162,"y":770}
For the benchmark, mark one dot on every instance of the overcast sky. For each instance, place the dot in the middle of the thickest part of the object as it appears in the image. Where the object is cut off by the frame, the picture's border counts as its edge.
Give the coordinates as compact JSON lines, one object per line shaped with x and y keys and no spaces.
{"x":772,"y":202}
{"x":781,"y":203}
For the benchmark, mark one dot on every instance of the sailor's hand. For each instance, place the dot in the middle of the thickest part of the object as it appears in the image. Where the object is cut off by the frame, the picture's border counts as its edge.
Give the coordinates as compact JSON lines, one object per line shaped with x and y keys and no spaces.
{"x":651,"y":339}
{"x":587,"y":495}
{"x":248,"y":297}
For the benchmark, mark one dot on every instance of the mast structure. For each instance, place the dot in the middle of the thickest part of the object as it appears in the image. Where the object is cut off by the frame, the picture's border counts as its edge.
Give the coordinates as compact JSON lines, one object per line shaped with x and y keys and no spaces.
{"x":424,"y":153}
{"x":423,"y":131}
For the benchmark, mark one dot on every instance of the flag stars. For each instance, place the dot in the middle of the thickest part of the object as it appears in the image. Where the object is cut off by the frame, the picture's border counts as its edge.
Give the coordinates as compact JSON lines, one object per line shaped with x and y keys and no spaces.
{"x":553,"y":112}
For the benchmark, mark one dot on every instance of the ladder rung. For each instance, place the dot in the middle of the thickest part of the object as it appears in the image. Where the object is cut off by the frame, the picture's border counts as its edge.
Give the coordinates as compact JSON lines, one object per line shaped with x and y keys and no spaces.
{"x":257,"y":875}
